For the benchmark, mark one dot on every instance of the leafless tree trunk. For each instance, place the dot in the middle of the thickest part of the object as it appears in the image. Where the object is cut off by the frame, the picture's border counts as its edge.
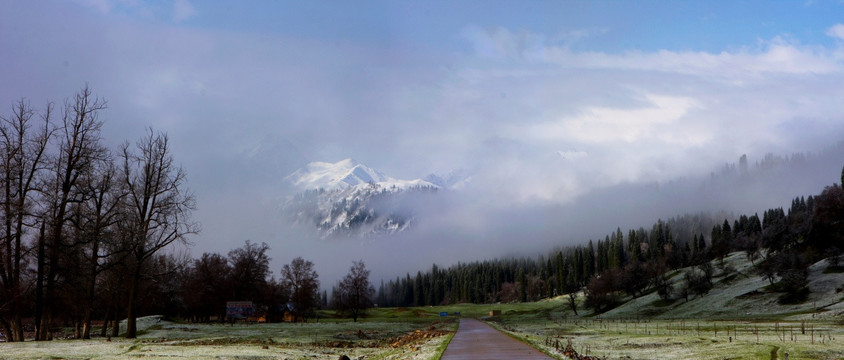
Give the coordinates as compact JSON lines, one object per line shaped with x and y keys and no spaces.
{"x":159,"y":206}
{"x":22,"y":161}
{"x":106,"y":319}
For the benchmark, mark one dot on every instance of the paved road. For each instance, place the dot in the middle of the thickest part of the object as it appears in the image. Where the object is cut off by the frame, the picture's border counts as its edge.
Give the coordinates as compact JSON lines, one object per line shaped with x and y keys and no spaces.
{"x":476,"y":340}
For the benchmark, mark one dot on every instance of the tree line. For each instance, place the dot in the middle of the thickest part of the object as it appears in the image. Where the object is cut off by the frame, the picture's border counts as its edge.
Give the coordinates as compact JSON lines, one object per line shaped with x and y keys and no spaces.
{"x":197,"y":290}
{"x":781,"y":244}
{"x":200,"y":288}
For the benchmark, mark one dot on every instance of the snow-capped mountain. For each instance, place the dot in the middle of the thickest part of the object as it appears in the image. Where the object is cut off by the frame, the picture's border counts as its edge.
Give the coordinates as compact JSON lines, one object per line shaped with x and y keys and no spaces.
{"x":346,"y":174}
{"x":350,"y":198}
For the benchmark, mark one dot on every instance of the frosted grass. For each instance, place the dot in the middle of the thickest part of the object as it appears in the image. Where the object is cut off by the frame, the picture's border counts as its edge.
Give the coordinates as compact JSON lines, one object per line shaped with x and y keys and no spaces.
{"x":161,"y":339}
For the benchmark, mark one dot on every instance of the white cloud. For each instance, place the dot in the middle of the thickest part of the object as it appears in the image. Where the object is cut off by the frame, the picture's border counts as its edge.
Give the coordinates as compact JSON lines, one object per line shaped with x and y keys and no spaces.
{"x":836,"y":31}
{"x":644,"y":116}
{"x":603,"y":125}
{"x":182,"y":10}
{"x":777,"y":55}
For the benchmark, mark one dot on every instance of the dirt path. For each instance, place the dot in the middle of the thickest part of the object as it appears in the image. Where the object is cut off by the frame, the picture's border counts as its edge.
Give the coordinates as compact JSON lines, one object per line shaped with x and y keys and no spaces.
{"x":476,"y":340}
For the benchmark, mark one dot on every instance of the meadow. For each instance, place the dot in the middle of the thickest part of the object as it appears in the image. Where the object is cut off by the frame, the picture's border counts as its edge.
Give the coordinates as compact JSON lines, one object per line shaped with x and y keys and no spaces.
{"x":385,"y":334}
{"x":632,"y":338}
{"x":421,"y":333}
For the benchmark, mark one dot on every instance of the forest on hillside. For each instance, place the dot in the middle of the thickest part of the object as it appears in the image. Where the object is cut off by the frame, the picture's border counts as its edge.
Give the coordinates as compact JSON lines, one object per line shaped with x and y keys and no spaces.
{"x":782,"y":243}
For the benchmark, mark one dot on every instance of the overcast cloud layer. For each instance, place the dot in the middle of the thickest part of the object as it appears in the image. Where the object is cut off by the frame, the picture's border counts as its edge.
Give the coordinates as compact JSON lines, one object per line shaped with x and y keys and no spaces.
{"x":543,"y":103}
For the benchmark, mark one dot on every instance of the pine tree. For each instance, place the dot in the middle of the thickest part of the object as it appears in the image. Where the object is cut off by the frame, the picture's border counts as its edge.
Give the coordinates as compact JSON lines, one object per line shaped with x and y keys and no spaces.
{"x":559,"y":271}
{"x":717,"y":240}
{"x":635,"y":249}
{"x":522,"y":285}
{"x":577,"y":265}
{"x":600,"y":256}
{"x":727,"y":235}
{"x":694,"y":246}
{"x":436,"y":294}
{"x":621,"y":258}
{"x":418,"y":298}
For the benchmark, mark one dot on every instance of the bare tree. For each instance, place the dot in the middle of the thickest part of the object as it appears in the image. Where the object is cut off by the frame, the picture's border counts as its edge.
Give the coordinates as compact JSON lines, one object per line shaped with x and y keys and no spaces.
{"x":302,"y":282}
{"x":79,"y":149}
{"x":355,"y":290}
{"x":159,"y":207}
{"x":97,"y":219}
{"x":22,"y":159}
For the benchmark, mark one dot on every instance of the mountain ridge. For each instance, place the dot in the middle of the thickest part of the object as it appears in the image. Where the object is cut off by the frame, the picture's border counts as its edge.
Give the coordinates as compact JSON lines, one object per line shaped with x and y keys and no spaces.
{"x":345,"y":174}
{"x":348,"y":197}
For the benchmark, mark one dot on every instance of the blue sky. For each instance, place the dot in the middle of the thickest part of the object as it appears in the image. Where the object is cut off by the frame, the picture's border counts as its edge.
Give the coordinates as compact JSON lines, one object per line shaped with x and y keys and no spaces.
{"x":643,"y":91}
{"x":710,"y":26}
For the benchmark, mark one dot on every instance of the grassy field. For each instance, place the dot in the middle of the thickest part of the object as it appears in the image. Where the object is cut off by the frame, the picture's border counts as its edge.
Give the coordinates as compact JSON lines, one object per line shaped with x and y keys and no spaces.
{"x":385,"y":334}
{"x":610,"y":338}
{"x":420,"y":333}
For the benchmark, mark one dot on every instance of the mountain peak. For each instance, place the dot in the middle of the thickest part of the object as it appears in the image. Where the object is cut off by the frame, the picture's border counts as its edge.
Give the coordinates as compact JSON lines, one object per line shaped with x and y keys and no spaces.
{"x":356,"y":198}
{"x":343,"y":175}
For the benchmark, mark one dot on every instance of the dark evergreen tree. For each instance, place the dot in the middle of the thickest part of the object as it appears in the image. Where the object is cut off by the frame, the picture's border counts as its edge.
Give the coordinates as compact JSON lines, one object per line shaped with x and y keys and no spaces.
{"x":727,"y":234}
{"x":589,"y":261}
{"x":634,"y":246}
{"x":418,"y":295}
{"x":522,"y":283}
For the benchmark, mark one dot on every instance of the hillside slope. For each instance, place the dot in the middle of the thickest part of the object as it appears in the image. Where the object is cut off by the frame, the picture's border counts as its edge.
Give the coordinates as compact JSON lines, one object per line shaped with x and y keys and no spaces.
{"x":741,"y":293}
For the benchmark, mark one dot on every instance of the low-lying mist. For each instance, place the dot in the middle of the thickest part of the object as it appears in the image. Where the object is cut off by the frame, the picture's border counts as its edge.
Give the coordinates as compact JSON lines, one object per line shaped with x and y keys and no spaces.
{"x":475,"y":224}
